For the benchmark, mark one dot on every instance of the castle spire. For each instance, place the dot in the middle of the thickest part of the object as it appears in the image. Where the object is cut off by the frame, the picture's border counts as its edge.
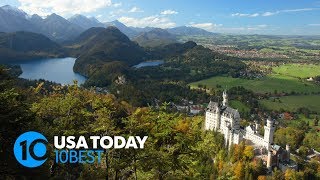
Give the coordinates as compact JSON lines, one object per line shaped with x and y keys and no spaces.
{"x":225,"y":98}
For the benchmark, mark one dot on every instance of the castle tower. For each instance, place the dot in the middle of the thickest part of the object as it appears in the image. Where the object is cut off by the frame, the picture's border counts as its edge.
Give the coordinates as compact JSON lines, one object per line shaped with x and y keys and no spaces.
{"x":288,"y":151}
{"x":269,"y":161}
{"x":218,"y":119}
{"x":268,"y":132}
{"x":225,"y":98}
{"x":230,"y":139}
{"x":256,"y":127}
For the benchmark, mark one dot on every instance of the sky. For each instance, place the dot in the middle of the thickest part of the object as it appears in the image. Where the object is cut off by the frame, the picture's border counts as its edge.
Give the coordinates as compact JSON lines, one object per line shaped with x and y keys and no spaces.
{"x":277,"y":17}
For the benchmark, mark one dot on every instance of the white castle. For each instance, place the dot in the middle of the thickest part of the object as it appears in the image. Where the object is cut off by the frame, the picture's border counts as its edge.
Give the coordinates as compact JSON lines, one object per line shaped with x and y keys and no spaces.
{"x":222,"y":118}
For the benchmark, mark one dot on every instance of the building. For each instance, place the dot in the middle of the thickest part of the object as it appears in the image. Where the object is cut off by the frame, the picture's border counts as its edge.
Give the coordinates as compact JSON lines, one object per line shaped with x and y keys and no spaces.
{"x":222,"y":118}
{"x":226,"y":120}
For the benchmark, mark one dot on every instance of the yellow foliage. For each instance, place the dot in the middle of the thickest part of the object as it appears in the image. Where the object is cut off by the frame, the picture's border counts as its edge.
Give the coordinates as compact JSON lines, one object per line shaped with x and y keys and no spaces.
{"x":239,"y":170}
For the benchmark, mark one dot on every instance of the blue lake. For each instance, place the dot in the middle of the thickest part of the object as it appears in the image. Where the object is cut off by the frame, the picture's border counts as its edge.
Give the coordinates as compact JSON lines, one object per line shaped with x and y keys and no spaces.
{"x":149,"y":63}
{"x":59,"y":70}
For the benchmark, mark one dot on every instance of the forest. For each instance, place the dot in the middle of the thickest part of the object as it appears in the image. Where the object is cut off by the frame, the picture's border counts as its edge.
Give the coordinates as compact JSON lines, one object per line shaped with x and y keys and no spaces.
{"x":177,"y":147}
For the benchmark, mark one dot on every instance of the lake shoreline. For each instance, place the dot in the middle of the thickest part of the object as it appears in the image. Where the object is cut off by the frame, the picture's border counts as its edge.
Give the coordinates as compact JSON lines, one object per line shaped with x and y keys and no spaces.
{"x":58,"y":70}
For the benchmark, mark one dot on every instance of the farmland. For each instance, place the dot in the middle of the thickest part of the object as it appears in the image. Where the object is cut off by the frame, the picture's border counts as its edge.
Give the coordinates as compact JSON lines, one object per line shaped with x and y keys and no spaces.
{"x":269,"y":84}
{"x":292,"y":103}
{"x":298,"y":70}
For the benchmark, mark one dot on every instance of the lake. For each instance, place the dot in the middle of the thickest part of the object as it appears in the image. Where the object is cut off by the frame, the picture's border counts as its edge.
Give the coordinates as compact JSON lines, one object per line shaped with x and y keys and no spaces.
{"x":59,"y":70}
{"x":149,"y":63}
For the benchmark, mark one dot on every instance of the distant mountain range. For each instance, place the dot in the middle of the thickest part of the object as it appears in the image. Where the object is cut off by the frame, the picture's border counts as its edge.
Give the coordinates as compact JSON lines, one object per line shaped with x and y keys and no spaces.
{"x":60,"y":29}
{"x":155,"y":37}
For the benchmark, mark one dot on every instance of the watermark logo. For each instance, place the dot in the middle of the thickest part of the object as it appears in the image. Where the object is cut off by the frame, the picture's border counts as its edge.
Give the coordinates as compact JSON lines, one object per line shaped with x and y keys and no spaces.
{"x":30,"y":149}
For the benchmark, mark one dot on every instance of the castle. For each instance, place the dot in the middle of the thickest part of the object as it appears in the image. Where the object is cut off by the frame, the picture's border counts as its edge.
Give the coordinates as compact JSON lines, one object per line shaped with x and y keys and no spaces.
{"x":226,"y":120}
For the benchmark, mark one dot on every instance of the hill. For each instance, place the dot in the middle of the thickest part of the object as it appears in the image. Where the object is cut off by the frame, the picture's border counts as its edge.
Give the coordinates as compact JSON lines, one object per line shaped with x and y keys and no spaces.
{"x":123,"y":28}
{"x":189,"y":31}
{"x":155,"y":37}
{"x":98,"y":46}
{"x":27,"y":45}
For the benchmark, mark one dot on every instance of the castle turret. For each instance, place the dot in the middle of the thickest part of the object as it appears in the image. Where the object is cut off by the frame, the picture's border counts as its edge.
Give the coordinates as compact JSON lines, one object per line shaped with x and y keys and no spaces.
{"x":218,"y":117}
{"x":269,"y":161}
{"x":225,"y":98}
{"x":268,"y":132}
{"x":256,"y":127}
{"x":288,"y":151}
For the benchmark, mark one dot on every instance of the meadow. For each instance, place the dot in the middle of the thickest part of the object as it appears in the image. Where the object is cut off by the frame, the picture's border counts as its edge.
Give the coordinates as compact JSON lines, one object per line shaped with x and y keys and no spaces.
{"x":298,"y":70}
{"x":269,"y":84}
{"x":292,"y":103}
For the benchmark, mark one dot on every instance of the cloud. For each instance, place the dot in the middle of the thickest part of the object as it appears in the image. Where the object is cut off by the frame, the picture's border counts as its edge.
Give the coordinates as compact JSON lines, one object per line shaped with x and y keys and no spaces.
{"x":152,"y":21}
{"x":244,"y":29}
{"x":135,"y":10}
{"x":313,"y":24}
{"x":62,"y":7}
{"x":117,"y":4}
{"x":269,"y":13}
{"x":205,"y":26}
{"x":245,"y":15}
{"x":169,"y":12}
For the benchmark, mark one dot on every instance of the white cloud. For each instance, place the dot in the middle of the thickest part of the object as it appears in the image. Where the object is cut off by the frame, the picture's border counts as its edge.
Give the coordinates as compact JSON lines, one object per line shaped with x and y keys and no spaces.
{"x":169,"y":12}
{"x":117,"y":12}
{"x":135,"y":10}
{"x":152,"y":21}
{"x":313,"y":24}
{"x":274,"y":12}
{"x":270,"y":13}
{"x":117,"y":4}
{"x":245,"y":15}
{"x":206,"y":26}
{"x":244,"y":29}
{"x":62,"y":7}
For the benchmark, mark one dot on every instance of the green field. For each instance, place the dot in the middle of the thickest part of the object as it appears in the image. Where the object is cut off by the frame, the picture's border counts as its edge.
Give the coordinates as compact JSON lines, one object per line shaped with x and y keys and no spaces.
{"x":271,"y":83}
{"x":298,"y":70}
{"x":292,"y":103}
{"x":239,"y":105}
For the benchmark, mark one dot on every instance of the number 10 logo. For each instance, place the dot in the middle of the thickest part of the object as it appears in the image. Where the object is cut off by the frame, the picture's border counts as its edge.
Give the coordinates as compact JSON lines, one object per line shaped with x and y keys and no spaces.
{"x":30,"y":149}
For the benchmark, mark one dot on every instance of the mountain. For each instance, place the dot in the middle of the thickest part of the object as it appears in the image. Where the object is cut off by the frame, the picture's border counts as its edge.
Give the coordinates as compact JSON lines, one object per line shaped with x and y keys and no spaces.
{"x":27,"y":45}
{"x":57,"y":28}
{"x":163,"y":52}
{"x":82,"y":39}
{"x":13,"y":19}
{"x":141,"y":30}
{"x":98,"y":46}
{"x":189,"y":31}
{"x":155,"y":37}
{"x":123,"y":28}
{"x":85,"y":22}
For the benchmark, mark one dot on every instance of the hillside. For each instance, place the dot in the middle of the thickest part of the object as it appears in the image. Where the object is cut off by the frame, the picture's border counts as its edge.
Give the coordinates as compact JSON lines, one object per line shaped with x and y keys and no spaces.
{"x":97,"y":46}
{"x":155,"y":37}
{"x":27,"y":45}
{"x":189,"y":31}
{"x":123,"y":28}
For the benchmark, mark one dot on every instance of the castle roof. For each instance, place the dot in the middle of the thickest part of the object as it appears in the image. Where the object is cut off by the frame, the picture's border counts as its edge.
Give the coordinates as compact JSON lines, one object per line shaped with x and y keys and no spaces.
{"x":212,"y":106}
{"x":226,"y":110}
